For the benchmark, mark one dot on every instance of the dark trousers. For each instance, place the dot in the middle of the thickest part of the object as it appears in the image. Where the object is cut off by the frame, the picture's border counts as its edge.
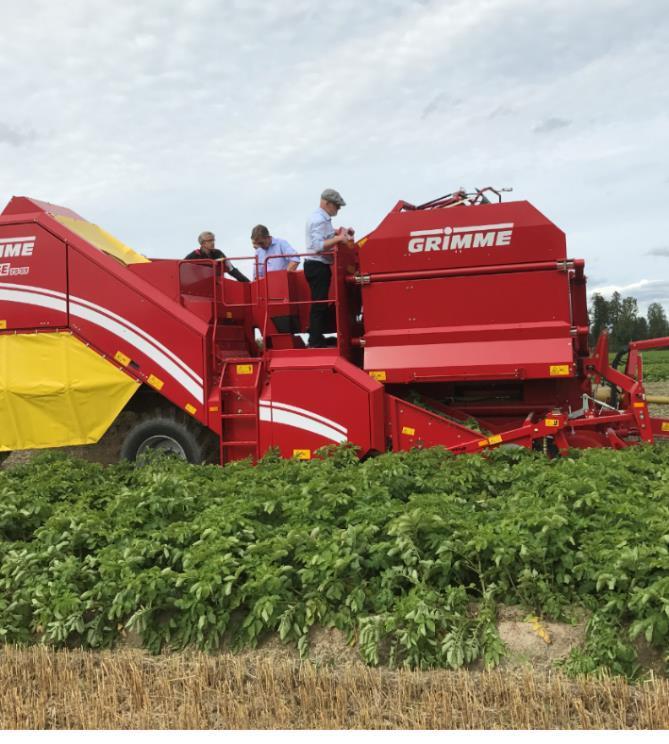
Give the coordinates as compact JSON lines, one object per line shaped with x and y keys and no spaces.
{"x":318,"y":275}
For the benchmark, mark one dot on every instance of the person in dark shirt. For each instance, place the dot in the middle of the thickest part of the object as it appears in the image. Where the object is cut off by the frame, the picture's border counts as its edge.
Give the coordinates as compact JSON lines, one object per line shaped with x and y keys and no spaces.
{"x":208,"y":250}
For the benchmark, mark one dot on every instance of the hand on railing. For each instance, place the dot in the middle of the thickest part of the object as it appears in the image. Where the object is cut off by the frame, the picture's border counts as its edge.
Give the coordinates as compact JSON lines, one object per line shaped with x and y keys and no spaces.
{"x":345,"y":234}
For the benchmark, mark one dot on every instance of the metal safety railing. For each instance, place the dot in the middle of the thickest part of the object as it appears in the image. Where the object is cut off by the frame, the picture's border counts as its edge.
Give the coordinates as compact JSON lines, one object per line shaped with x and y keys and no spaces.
{"x":204,"y":278}
{"x":264,"y":286}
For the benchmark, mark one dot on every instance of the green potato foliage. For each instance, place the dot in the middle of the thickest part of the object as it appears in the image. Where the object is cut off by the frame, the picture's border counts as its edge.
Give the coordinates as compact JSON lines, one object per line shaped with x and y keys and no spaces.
{"x":408,"y":554}
{"x":656,"y":365}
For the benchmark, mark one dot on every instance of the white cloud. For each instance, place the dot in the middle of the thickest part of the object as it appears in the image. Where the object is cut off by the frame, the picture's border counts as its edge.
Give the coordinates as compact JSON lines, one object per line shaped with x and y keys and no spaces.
{"x":160,"y":119}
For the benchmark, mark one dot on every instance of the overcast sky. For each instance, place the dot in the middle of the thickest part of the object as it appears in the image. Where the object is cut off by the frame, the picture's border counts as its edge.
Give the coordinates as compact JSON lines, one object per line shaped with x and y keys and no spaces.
{"x":163,"y":118}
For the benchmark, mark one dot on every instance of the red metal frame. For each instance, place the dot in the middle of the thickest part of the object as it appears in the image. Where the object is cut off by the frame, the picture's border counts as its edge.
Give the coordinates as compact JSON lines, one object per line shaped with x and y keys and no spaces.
{"x":452,"y":310}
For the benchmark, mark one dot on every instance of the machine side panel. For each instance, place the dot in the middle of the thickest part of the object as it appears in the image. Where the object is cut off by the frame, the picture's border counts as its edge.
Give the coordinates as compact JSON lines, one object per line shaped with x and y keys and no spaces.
{"x":471,"y":361}
{"x":143,"y":330}
{"x":515,"y":232}
{"x":162,"y":274}
{"x":33,"y":277}
{"x":487,"y":326}
{"x":409,"y":426}
{"x":305,"y":408}
{"x":530,"y":302}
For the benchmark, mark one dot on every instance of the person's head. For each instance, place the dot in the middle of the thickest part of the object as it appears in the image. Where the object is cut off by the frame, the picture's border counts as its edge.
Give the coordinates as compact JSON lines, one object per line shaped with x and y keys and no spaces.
{"x":332,"y":201}
{"x":206,"y":240}
{"x":260,"y":237}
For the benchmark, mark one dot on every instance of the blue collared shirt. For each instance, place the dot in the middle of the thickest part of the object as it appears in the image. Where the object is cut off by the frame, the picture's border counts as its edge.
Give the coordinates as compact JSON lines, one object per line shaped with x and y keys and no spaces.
{"x":279,"y":254}
{"x":319,"y":228}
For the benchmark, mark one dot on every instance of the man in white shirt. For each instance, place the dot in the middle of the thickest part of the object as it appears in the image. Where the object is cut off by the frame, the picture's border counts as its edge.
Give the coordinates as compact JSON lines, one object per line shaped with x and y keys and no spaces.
{"x":321,"y":237}
{"x":274,"y":253}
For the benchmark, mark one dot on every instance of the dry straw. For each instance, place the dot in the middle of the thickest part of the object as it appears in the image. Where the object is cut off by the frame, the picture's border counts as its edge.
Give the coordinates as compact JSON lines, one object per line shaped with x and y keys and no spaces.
{"x":43,"y":689}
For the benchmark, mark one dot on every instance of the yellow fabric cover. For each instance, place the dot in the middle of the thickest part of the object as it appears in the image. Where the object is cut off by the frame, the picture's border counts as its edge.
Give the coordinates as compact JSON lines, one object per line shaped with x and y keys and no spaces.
{"x":55,"y":391}
{"x":102,"y":240}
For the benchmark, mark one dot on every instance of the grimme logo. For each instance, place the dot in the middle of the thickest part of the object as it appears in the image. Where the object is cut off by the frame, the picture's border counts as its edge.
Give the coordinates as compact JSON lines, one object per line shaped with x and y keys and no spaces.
{"x":459,"y":238}
{"x":14,"y":247}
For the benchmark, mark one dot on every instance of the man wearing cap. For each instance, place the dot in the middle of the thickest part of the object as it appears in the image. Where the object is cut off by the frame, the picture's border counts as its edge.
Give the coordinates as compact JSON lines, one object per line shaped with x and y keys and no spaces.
{"x":321,"y":237}
{"x":275,"y":253}
{"x":208,"y":250}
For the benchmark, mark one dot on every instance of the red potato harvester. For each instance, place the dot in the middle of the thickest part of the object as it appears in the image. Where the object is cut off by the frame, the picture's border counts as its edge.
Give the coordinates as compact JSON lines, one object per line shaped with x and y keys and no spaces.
{"x":460,"y":322}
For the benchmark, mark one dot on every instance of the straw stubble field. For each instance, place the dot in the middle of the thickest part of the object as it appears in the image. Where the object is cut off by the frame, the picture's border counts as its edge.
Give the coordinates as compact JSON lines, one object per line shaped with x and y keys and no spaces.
{"x":127,"y":689}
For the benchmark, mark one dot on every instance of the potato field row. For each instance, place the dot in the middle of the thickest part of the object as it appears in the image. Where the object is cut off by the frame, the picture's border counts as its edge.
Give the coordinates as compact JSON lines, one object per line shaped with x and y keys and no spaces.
{"x":409,"y":555}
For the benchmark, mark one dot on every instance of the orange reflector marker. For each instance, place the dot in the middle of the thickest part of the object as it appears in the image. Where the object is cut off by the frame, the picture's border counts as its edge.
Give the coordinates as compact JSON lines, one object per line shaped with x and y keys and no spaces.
{"x":483,"y":443}
{"x":559,"y":370}
{"x":121,"y":358}
{"x":3,"y":325}
{"x":213,"y":409}
{"x":302,"y":454}
{"x":408,"y":430}
{"x":379,"y":375}
{"x":639,"y":404}
{"x":551,"y":422}
{"x":665,"y":426}
{"x":495,"y":439}
{"x":244,"y":369}
{"x":190,"y":409}
{"x":155,"y":382}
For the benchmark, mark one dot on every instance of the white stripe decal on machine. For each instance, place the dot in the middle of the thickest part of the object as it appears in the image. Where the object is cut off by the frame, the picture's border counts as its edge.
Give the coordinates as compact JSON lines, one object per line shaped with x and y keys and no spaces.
{"x":270,"y":412}
{"x":111,"y":314}
{"x":482,"y":228}
{"x":142,"y":333}
{"x":147,"y":345}
{"x":307,"y":413}
{"x":24,"y":239}
{"x":33,"y":298}
{"x":29,"y":288}
{"x":151,"y":351}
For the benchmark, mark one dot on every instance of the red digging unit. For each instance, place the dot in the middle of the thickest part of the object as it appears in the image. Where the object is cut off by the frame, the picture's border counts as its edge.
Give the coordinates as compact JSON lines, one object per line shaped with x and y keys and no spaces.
{"x":460,"y":322}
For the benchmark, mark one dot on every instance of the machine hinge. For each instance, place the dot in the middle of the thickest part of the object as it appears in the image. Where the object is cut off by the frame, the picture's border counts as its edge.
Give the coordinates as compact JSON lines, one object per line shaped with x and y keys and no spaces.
{"x":565,"y":265}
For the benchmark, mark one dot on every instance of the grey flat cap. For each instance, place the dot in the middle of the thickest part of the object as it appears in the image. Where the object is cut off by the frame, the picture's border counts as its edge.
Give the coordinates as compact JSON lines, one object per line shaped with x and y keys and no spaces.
{"x":333,"y":196}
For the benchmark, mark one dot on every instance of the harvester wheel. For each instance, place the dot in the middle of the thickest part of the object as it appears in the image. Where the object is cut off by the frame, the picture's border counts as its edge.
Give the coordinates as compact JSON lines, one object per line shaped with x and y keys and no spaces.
{"x":172,"y":433}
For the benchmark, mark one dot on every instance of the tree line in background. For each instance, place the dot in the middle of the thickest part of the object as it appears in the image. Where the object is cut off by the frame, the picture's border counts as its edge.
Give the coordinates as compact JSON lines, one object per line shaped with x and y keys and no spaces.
{"x":620,"y":317}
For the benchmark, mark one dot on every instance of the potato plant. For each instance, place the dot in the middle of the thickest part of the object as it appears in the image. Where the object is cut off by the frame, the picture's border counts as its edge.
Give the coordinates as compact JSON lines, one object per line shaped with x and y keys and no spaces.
{"x":656,"y":365}
{"x":408,"y":554}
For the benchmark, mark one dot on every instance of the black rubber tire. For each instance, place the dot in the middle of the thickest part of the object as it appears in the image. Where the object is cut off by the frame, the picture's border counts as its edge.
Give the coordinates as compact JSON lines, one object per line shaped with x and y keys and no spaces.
{"x":171,"y":432}
{"x":4,"y":456}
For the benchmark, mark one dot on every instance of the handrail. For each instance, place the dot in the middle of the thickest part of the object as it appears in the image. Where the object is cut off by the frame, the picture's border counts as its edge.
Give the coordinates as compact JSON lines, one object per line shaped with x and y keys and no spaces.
{"x":267,"y":300}
{"x":455,"y":198}
{"x":390,"y":276}
{"x":218,"y":294}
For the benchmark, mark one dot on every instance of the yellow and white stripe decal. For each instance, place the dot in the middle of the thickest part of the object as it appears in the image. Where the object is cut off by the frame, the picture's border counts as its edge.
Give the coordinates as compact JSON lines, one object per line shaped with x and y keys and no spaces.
{"x":301,"y":418}
{"x":113,"y":323}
